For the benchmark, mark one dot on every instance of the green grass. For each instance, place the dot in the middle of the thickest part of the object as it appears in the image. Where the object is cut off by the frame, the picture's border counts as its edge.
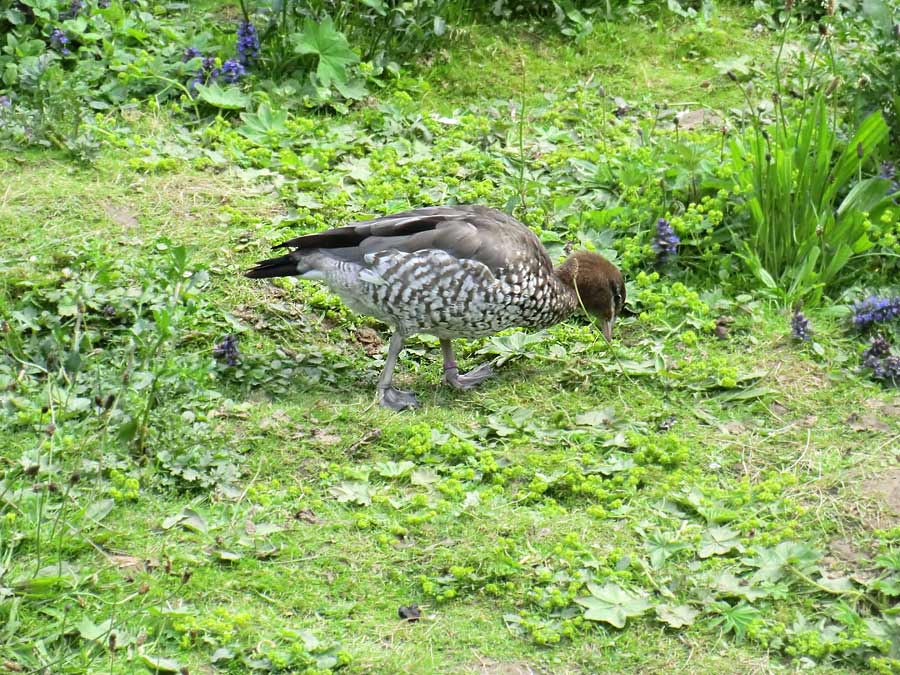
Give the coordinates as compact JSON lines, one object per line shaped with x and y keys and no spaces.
{"x":663,"y":62}
{"x":512,"y":510}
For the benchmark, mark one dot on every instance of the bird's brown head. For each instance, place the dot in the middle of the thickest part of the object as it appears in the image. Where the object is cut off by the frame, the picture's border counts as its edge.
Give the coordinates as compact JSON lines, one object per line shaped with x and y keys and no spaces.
{"x":599,"y":286}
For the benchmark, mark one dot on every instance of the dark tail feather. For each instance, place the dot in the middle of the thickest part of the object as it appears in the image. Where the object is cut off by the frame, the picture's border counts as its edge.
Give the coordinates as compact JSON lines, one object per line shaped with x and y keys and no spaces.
{"x":282,"y":266}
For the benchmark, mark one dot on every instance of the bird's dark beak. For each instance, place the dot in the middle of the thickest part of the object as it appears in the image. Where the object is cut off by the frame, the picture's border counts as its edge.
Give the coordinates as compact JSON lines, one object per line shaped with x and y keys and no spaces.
{"x":606,"y":326}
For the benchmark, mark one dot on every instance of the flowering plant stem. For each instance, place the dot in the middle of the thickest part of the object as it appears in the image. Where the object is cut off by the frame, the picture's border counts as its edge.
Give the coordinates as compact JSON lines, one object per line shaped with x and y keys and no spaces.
{"x":800,"y":237}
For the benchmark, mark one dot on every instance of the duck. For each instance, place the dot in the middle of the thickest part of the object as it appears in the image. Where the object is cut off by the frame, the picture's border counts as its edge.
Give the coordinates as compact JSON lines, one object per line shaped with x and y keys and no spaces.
{"x":466,"y":271}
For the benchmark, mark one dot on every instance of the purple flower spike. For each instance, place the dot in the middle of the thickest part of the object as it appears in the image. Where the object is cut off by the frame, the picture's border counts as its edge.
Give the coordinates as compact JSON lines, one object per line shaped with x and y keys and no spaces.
{"x":227,"y":350}
{"x":666,"y":242}
{"x":800,"y":327}
{"x":59,"y":40}
{"x":878,"y":358}
{"x":247,"y":43}
{"x":874,"y":310}
{"x":231,"y":71}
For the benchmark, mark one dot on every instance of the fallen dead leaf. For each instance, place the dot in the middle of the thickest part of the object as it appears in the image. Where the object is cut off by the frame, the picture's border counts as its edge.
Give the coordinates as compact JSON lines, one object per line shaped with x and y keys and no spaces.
{"x":369,"y":339}
{"x":130,"y":562}
{"x":368,"y":437}
{"x":307,"y":516}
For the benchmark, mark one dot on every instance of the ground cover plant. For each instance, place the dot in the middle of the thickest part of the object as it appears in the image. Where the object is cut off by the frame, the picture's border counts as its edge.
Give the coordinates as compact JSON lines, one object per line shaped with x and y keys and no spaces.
{"x":192,"y":475}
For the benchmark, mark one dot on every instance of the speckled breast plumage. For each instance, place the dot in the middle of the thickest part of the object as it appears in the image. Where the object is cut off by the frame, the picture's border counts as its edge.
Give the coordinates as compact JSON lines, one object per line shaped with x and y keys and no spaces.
{"x":431,"y":291}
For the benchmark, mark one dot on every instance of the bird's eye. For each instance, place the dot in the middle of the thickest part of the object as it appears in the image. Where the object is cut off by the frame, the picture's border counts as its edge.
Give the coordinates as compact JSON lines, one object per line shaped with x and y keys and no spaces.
{"x":616,"y":295}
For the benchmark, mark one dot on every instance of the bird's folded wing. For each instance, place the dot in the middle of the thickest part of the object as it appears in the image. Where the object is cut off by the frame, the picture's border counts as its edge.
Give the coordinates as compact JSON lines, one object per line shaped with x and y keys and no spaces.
{"x":465,"y":232}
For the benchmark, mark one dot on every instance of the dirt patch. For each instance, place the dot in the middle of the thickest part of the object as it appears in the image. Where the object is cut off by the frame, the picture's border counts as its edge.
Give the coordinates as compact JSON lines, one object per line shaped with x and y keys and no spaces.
{"x":695,"y":119}
{"x":867,"y":423}
{"x":122,"y":216}
{"x":843,"y":554}
{"x":887,"y":409}
{"x":846,"y":558}
{"x":884,"y":491}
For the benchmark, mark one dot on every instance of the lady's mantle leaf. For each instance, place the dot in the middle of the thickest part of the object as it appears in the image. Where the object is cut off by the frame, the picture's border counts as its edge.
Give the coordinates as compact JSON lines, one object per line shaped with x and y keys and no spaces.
{"x":718,"y":541}
{"x":612,"y":604}
{"x":330,"y":46}
{"x":677,"y":616}
{"x":355,"y":493}
{"x":227,"y":98}
{"x":160,"y":664}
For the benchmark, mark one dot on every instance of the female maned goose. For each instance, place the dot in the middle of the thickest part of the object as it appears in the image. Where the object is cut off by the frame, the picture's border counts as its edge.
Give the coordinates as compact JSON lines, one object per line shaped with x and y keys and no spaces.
{"x":452,"y":272}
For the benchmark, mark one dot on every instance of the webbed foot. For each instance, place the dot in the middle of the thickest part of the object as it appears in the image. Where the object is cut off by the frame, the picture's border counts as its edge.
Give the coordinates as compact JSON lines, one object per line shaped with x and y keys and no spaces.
{"x":470,"y":379}
{"x":395,"y":399}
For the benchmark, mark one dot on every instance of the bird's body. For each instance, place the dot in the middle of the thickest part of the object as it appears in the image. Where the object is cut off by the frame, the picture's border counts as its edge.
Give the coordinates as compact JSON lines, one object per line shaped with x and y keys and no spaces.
{"x":449,"y":271}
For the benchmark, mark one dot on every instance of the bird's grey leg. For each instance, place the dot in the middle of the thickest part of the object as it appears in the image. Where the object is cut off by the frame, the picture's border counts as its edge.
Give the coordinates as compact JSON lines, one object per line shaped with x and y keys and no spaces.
{"x":451,"y":371}
{"x":387,"y":395}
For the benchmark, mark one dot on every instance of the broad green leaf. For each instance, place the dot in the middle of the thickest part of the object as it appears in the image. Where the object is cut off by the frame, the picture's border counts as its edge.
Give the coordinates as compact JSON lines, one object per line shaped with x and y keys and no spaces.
{"x":765,"y":277}
{"x":661,"y":546}
{"x":738,"y":66}
{"x":718,"y":541}
{"x":222,"y":654}
{"x":735,"y":619}
{"x":612,"y":604}
{"x":377,"y":5}
{"x":727,"y":584}
{"x":355,"y":493}
{"x":676,"y":616}
{"x":889,"y":586}
{"x":265,"y":529}
{"x":394,"y":469}
{"x":747,"y":394}
{"x":265,"y":126}
{"x":330,"y":45}
{"x":514,"y":345}
{"x":837,"y":585}
{"x":46,"y":579}
{"x":871,"y":133}
{"x":867,"y":195}
{"x":424,"y":476}
{"x":88,"y":630}
{"x":227,"y":556}
{"x":188,"y":519}
{"x":614,"y":463}
{"x":354,"y":89}
{"x":160,"y":664}
{"x":879,"y":13}
{"x":98,"y":510}
{"x":595,"y":418}
{"x":772,"y":563}
{"x":226,"y":98}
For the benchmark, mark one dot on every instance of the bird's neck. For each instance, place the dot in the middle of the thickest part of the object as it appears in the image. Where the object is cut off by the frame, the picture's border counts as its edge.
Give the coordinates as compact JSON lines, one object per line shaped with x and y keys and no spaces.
{"x":565,"y":297}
